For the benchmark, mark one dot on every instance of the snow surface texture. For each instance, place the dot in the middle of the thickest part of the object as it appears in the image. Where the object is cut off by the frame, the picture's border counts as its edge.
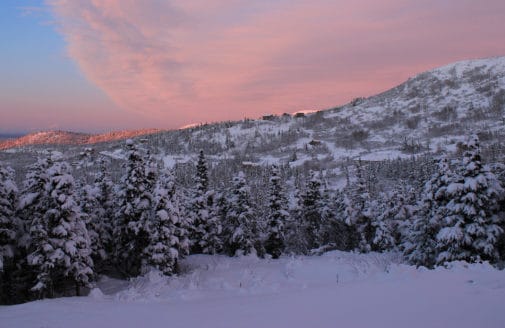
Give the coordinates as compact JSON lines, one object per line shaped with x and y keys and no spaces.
{"x":334,"y":290}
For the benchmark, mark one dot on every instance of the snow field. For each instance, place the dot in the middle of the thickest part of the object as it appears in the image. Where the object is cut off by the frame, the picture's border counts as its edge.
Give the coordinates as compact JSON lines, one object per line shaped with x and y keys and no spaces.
{"x":337,"y":289}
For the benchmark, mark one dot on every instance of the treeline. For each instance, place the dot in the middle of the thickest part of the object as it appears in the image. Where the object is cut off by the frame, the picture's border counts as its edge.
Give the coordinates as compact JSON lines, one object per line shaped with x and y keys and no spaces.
{"x":58,"y":234}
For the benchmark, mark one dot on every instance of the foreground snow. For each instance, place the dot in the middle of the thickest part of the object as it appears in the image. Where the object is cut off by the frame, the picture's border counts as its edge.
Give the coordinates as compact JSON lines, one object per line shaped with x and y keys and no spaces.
{"x":334,"y":290}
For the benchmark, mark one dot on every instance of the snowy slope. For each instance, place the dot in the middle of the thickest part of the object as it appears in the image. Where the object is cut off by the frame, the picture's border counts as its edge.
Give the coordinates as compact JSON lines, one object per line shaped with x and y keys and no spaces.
{"x":428,"y":113}
{"x":431,"y":112}
{"x":334,"y":290}
{"x":460,"y":85}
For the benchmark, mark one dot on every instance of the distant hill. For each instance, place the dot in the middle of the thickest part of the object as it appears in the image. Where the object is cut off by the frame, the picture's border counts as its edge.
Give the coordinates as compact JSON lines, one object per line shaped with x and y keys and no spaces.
{"x":68,"y":138}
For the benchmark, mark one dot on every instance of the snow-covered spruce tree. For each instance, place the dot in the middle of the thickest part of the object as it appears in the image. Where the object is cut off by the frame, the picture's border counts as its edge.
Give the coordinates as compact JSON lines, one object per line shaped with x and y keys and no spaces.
{"x":106,"y":198}
{"x":470,"y":227}
{"x":31,"y":207}
{"x":9,"y":226}
{"x":98,"y":203}
{"x":332,"y":232}
{"x":89,"y":205}
{"x":212,"y":240}
{"x":239,"y":231}
{"x":202,"y":175}
{"x":358,"y":211}
{"x":278,"y":215}
{"x":60,"y":242}
{"x":197,"y":210}
{"x":203,"y":213}
{"x":168,"y":240}
{"x":8,"y":220}
{"x":311,"y":211}
{"x":499,"y":170}
{"x":392,"y":221}
{"x":32,"y":202}
{"x":335,"y":232}
{"x":294,"y":233}
{"x":131,"y":232}
{"x":406,"y":198}
{"x":384,"y":209}
{"x":420,"y":244}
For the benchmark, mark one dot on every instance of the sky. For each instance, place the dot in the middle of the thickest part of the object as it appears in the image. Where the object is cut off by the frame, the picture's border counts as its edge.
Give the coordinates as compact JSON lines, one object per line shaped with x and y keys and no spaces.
{"x":100,"y":65}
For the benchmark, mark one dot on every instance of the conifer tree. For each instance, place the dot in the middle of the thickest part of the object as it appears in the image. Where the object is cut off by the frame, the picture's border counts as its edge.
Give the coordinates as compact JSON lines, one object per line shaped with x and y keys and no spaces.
{"x":420,"y":245}
{"x":470,"y":227}
{"x":335,"y":230}
{"x":98,"y":203}
{"x":499,"y":170}
{"x":8,"y":220}
{"x":311,"y":211}
{"x":358,"y":213}
{"x":168,"y":240}
{"x":202,"y":178}
{"x":198,"y":211}
{"x":203,"y":212}
{"x":136,"y":204}
{"x":212,"y":241}
{"x":106,"y":199}
{"x":394,"y":210}
{"x":405,"y":198}
{"x":277,"y":215}
{"x":60,"y":241}
{"x":33,"y":201}
{"x":239,"y":231}
{"x":386,"y":209}
{"x":9,"y":227}
{"x":295,"y":240}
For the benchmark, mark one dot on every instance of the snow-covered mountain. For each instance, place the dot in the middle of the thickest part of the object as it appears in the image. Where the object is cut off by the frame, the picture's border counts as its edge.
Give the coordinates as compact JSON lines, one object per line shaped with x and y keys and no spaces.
{"x":432,"y":111}
{"x":70,"y":138}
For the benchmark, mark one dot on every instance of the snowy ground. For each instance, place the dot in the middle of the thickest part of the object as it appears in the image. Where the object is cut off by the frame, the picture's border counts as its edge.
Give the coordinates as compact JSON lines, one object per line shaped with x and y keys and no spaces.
{"x":334,"y":290}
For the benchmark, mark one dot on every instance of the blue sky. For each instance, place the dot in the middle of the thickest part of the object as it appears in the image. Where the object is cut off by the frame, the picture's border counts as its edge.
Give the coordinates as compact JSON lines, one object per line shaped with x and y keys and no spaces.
{"x":33,"y":53}
{"x":40,"y":86}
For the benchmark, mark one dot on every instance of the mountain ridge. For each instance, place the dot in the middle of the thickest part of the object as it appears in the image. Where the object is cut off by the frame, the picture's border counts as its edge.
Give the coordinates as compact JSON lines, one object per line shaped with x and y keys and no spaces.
{"x":60,"y":137}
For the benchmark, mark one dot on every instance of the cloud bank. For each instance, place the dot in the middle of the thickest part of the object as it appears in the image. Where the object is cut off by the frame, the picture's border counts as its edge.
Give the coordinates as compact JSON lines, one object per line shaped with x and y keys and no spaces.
{"x":184,"y":61}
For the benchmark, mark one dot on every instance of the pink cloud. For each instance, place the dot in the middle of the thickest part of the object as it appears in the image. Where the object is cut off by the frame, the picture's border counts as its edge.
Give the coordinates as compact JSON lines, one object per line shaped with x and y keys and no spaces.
{"x":183,"y":61}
